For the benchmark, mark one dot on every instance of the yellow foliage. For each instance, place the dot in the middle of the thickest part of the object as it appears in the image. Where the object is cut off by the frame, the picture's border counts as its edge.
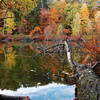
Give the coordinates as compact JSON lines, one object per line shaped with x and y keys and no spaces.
{"x":60,"y":6}
{"x":26,"y":6}
{"x":89,"y":28}
{"x":9,"y":22}
{"x":84,"y":14}
{"x":59,"y":30}
{"x":97,"y":17}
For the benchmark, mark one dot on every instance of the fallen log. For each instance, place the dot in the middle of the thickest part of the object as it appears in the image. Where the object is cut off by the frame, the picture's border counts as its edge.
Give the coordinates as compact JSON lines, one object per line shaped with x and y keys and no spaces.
{"x":6,"y":97}
{"x":87,"y":80}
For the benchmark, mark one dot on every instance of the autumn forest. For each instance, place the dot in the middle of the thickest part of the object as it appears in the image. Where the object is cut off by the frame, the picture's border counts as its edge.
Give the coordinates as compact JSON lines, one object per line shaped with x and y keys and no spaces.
{"x":51,"y":40}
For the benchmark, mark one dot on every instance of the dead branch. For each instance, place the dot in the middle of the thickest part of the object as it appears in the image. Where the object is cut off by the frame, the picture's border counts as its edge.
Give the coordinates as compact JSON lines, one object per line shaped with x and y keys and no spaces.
{"x":69,"y":56}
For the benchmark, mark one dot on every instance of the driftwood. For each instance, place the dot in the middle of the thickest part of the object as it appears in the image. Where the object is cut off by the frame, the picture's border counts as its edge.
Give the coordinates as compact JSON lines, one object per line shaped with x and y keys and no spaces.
{"x":5,"y":97}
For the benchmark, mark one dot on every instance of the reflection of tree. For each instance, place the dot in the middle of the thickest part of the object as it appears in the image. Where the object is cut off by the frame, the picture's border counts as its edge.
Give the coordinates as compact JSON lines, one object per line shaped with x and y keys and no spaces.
{"x":27,"y":72}
{"x":10,"y":57}
{"x":29,"y":69}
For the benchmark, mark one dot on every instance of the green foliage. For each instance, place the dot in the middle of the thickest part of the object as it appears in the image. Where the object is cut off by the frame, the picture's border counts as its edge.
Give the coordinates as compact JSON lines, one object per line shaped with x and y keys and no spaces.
{"x":18,"y":17}
{"x":70,"y":11}
{"x":24,"y":6}
{"x":21,"y":74}
{"x":33,"y":17}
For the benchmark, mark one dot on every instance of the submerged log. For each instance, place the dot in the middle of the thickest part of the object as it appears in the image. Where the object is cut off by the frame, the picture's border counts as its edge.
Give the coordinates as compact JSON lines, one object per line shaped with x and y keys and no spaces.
{"x":5,"y":97}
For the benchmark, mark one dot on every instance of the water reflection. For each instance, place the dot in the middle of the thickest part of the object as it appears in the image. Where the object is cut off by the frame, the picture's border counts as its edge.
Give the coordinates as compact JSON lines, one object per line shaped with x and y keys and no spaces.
{"x":22,"y":67}
{"x":51,"y":91}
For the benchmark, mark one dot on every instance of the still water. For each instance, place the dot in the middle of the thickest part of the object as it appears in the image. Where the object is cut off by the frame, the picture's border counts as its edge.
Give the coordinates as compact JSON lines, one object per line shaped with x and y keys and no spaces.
{"x":24,"y":73}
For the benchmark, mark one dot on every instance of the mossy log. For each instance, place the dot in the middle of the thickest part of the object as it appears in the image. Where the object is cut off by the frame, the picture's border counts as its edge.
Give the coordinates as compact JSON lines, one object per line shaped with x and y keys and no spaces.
{"x":87,"y":78}
{"x":88,"y":85}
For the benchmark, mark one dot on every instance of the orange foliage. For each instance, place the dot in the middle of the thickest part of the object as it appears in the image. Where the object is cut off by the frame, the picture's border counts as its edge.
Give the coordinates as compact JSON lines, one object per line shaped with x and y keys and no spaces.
{"x":66,"y":31}
{"x":36,"y":30}
{"x":1,"y":46}
{"x":55,"y":15}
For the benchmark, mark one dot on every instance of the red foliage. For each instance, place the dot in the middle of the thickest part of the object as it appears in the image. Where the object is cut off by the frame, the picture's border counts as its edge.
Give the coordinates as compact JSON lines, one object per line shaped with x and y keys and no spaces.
{"x":92,"y":50}
{"x":44,"y":18}
{"x":92,"y":46}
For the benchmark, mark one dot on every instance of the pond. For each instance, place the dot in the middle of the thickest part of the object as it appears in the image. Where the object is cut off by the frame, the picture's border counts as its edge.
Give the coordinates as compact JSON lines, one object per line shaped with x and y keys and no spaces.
{"x":24,"y":73}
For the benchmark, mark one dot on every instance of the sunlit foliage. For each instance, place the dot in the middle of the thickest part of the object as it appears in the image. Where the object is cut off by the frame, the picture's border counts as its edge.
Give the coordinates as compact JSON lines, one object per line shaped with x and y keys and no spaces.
{"x":9,"y":22}
{"x":60,"y":5}
{"x":54,"y":15}
{"x":69,"y":13}
{"x":24,"y":6}
{"x":76,"y":25}
{"x":84,"y":16}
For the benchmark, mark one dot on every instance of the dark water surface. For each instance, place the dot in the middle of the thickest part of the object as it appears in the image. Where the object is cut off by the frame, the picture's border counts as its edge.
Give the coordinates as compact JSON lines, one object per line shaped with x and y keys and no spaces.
{"x":23,"y":72}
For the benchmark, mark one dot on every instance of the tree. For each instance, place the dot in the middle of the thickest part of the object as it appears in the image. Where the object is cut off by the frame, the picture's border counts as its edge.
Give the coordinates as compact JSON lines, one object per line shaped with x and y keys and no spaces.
{"x":69,"y":12}
{"x":24,"y":6}
{"x":9,"y":22}
{"x":84,"y":16}
{"x":76,"y":27}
